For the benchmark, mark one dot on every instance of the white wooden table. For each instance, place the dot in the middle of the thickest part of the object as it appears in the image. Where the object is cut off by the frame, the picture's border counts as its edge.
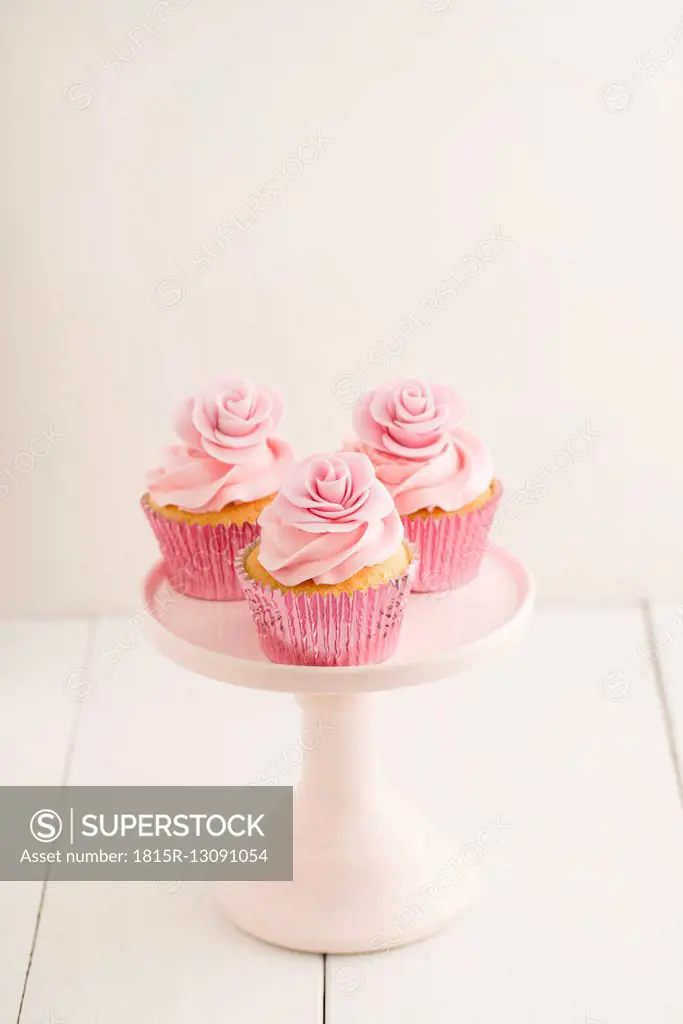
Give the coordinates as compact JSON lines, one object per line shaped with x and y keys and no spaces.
{"x":572,"y":765}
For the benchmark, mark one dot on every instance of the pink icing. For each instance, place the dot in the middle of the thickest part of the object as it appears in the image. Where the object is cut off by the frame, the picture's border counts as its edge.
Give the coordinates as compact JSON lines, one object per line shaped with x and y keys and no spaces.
{"x":229,"y":419}
{"x":331,"y":518}
{"x":409,"y":431}
{"x":408,"y":418}
{"x":229,"y":452}
{"x":193,"y":480}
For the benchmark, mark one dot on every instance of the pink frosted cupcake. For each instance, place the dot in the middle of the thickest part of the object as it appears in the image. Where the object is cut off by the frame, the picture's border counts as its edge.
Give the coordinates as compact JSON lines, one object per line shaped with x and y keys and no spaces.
{"x":440,"y":476}
{"x":327,"y":582}
{"x":204,"y":501}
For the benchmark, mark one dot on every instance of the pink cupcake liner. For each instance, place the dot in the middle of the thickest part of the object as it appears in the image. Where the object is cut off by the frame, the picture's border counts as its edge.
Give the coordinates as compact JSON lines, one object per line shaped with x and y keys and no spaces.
{"x":451,"y":548}
{"x":328,"y":629}
{"x":201,"y":559}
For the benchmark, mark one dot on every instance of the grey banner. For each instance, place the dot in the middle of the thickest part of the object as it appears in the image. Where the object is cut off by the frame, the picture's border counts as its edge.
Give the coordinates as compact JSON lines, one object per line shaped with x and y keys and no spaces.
{"x":138,"y":833}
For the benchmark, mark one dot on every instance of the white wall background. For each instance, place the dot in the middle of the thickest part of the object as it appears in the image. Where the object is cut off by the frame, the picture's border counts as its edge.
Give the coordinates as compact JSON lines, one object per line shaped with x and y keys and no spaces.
{"x":448,"y":120}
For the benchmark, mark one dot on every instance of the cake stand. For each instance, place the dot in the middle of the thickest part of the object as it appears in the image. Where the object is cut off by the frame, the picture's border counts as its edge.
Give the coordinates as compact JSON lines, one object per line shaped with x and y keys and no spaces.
{"x":362,"y":854}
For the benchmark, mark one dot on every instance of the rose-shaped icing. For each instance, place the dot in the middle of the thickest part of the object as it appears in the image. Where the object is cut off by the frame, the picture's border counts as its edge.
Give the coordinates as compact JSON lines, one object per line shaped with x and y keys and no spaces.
{"x":229,"y":418}
{"x":409,"y":431}
{"x":229,"y":453}
{"x":408,"y":419}
{"x":331,"y":518}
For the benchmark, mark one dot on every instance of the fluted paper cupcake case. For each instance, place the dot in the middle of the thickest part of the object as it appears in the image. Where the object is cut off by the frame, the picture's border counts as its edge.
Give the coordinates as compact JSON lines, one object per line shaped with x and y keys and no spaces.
{"x":451,"y":547}
{"x":359,"y":628}
{"x":200,"y":560}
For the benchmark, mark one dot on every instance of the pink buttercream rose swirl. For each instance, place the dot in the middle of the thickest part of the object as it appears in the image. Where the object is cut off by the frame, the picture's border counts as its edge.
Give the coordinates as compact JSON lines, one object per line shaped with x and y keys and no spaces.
{"x":229,"y":419}
{"x":229,"y":452}
{"x":331,"y":518}
{"x":408,"y":419}
{"x":409,"y":430}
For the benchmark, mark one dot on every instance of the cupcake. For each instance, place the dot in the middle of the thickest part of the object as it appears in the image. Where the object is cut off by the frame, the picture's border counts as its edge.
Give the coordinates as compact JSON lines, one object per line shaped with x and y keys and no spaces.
{"x":328,"y":580}
{"x":440,"y":476}
{"x":204,"y":500}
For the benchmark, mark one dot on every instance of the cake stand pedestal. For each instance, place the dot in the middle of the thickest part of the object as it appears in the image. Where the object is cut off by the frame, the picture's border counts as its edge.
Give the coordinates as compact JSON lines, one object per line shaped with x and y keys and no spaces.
{"x":364,"y":858}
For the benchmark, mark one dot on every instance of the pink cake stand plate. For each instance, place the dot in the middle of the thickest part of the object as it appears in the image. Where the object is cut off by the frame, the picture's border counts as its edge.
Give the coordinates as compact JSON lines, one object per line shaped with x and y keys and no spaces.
{"x":365,"y":860}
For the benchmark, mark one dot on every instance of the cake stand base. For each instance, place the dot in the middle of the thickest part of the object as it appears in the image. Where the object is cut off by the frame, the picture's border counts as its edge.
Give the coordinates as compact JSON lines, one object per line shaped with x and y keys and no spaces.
{"x":369,"y":871}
